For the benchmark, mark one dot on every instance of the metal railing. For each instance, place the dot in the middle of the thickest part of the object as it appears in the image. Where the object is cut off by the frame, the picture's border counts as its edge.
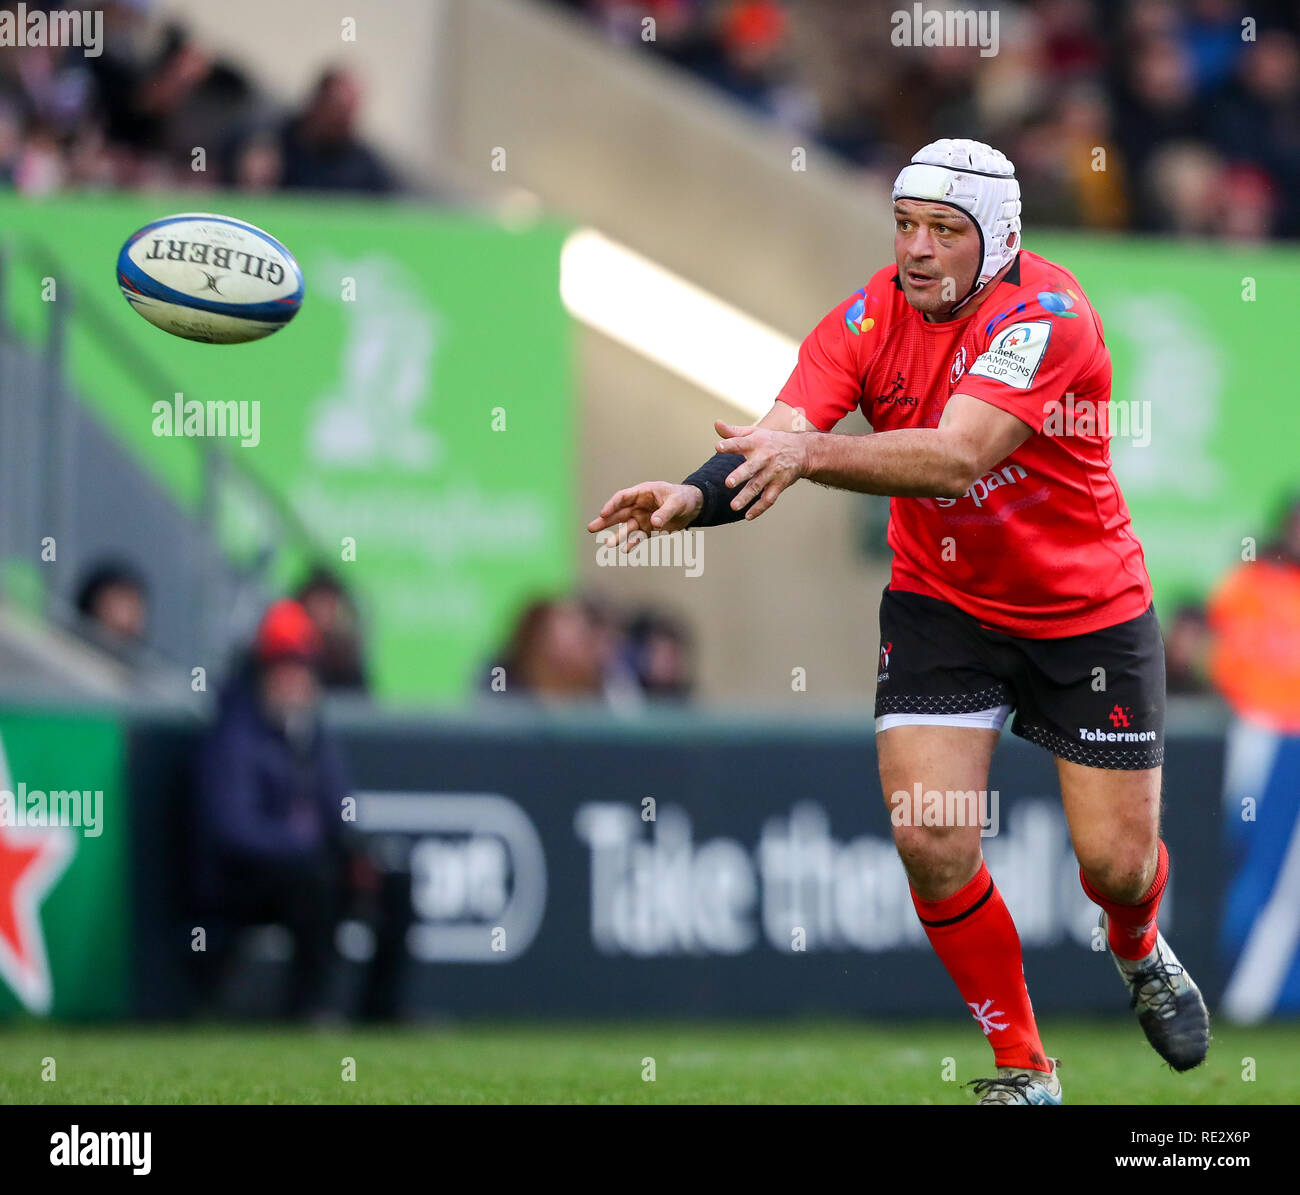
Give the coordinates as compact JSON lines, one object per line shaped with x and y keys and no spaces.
{"x":42,"y":421}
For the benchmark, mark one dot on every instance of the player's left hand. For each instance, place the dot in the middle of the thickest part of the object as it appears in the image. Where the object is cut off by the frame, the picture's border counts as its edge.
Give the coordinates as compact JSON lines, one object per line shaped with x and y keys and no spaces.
{"x":774,"y":461}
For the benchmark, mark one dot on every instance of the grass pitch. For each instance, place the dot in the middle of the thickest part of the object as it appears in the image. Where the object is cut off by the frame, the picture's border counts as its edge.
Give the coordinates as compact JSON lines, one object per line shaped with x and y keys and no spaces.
{"x":1106,"y":1062}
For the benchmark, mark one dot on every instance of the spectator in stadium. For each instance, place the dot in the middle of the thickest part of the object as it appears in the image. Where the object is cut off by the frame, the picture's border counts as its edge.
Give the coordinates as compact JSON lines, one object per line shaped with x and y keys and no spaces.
{"x":1213,"y":34}
{"x":189,"y":98}
{"x":620,"y":688}
{"x":558,"y":652}
{"x":1255,"y":664}
{"x":319,"y":146}
{"x":256,"y":163}
{"x":658,"y":650}
{"x":1256,"y":119}
{"x":333,"y":611}
{"x":1070,"y":182}
{"x":624,"y":21}
{"x":1175,"y":93}
{"x":1254,"y":617}
{"x":754,"y":64}
{"x":1073,"y":48}
{"x":1183,"y":189}
{"x":11,"y":140}
{"x":113,"y":603}
{"x":133,"y":115}
{"x":1160,"y":106}
{"x":162,"y":105}
{"x":271,"y":786}
{"x":120,"y":72}
{"x":40,"y":168}
{"x":1186,"y":650}
{"x":1249,"y":204}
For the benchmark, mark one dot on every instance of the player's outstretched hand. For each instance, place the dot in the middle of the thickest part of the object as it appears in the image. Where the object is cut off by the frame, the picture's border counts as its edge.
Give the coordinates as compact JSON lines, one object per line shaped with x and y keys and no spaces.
{"x":774,"y":461}
{"x":650,"y":506}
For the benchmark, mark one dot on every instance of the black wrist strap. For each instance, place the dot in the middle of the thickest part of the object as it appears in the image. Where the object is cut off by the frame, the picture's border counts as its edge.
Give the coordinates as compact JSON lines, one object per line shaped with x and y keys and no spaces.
{"x":710,"y":479}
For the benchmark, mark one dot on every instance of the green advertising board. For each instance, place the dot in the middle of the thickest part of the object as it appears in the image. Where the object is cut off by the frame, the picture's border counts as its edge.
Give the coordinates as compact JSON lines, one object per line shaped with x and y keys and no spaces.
{"x":417,"y":414}
{"x":1199,"y":336}
{"x":63,"y":868}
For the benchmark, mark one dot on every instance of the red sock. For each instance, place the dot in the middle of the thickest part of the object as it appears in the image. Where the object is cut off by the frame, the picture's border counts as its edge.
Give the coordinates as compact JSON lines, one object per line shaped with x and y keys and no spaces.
{"x":1131,"y":929}
{"x":976,"y":940}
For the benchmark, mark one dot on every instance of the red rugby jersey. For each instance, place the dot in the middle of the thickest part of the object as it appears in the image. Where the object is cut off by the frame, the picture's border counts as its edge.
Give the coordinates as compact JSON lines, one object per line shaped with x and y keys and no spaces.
{"x":1041,"y":546}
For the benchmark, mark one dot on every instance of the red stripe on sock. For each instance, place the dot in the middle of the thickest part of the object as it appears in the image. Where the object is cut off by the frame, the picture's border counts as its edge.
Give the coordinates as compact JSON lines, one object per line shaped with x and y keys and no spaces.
{"x":976,"y":940}
{"x":1131,"y":929}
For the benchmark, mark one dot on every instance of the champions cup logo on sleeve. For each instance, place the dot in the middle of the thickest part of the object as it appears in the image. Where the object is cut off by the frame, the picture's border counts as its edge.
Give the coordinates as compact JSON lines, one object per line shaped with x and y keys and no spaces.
{"x":1015,"y":354}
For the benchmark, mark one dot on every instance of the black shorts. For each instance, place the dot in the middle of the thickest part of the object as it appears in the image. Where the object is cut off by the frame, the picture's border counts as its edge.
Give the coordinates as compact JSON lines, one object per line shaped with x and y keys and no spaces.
{"x":1096,"y":699}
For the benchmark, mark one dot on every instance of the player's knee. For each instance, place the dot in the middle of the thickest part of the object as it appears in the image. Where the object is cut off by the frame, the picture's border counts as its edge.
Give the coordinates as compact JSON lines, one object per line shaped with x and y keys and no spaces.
{"x":935,"y":852}
{"x":1124,"y":875}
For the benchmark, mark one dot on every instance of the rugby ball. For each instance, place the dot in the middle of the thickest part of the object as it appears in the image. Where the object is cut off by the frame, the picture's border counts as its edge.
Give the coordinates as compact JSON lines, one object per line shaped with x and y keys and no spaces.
{"x":210,"y":278}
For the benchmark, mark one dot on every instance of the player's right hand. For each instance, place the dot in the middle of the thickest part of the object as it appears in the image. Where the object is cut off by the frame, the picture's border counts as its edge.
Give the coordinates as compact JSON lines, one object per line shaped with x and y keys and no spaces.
{"x":645,"y":508}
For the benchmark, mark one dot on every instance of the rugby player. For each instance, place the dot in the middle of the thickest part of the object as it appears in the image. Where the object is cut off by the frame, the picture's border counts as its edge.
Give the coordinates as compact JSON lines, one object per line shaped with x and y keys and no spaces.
{"x":1017,"y":581}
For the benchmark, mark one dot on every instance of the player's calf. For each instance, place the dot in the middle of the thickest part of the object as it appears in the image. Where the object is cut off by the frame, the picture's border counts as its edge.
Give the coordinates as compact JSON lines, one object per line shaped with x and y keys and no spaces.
{"x":1169,"y":1005}
{"x":965,"y":919}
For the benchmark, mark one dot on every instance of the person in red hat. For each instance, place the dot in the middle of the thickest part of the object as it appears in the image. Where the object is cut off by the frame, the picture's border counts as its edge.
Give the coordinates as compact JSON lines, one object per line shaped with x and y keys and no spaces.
{"x":288,"y":652}
{"x":271,"y":790}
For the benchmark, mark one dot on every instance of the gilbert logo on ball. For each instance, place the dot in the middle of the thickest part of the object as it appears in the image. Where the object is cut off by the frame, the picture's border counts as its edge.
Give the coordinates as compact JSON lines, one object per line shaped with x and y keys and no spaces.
{"x":210,"y":278}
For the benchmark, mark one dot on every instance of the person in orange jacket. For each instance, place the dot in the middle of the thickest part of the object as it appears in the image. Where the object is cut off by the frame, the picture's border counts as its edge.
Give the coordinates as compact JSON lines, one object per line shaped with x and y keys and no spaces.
{"x":1255,"y":626}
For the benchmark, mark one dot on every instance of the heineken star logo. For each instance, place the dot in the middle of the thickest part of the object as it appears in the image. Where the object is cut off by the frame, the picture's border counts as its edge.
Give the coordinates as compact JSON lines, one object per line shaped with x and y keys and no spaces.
{"x":31,"y":862}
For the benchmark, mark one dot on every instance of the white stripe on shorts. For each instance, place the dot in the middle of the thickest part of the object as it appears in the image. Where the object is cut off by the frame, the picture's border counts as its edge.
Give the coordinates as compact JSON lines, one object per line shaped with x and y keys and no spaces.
{"x":990,"y":719}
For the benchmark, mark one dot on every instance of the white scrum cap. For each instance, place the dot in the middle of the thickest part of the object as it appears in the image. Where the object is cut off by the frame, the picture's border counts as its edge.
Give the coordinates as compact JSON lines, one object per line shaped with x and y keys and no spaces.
{"x":974,"y":178}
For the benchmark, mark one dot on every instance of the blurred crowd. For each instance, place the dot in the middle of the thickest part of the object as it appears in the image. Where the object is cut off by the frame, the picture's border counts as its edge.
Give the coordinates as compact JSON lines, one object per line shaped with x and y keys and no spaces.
{"x":268,"y":839}
{"x":135,"y":115}
{"x":1148,"y":115}
{"x":112,"y":608}
{"x":581,"y":649}
{"x":557,"y":649}
{"x":1195,"y":105}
